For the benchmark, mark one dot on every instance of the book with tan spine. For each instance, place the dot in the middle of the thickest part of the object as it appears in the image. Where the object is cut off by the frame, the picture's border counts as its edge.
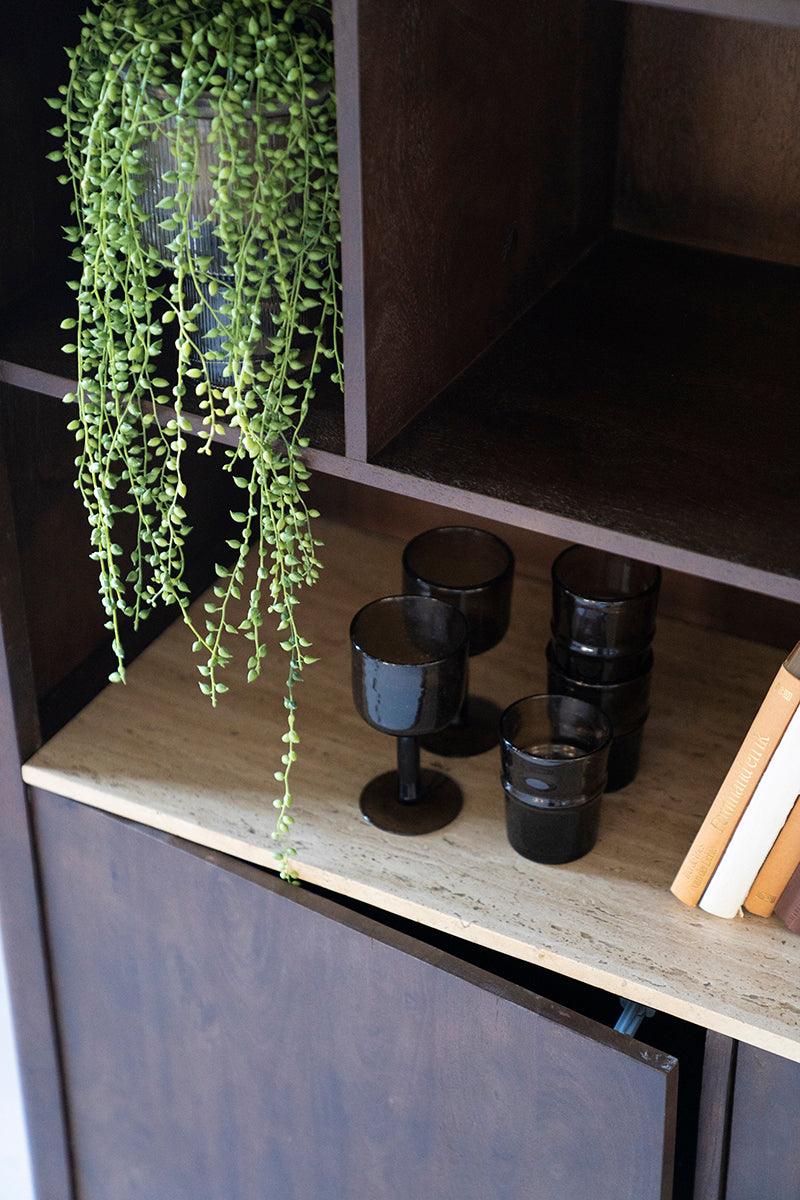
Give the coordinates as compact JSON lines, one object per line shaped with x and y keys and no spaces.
{"x":756,"y":832}
{"x":778,"y":867}
{"x":779,"y":706}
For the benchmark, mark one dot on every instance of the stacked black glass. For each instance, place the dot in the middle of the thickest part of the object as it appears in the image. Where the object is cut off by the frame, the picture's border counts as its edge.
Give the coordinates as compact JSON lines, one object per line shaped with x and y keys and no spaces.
{"x":604,"y":619}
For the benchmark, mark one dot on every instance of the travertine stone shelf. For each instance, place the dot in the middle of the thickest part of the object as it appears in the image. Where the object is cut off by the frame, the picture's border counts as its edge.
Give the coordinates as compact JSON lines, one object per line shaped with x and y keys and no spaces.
{"x":156,"y":753}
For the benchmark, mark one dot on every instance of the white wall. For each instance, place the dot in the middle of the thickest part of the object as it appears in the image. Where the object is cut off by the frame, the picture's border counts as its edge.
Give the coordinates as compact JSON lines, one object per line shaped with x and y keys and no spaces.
{"x":15,"y":1174}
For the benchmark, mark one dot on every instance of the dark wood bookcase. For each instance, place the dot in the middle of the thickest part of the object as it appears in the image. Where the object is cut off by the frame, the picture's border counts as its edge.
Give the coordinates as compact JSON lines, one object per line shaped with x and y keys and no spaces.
{"x":571,"y":274}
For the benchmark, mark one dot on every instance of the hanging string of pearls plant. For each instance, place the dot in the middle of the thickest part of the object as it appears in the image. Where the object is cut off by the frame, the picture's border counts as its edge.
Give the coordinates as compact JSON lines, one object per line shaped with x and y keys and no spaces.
{"x":198,"y":138}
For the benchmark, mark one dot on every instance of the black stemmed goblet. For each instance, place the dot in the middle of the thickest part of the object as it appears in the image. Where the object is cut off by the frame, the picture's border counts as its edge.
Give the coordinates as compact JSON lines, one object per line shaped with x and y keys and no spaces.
{"x":409,"y":663}
{"x":473,"y":570}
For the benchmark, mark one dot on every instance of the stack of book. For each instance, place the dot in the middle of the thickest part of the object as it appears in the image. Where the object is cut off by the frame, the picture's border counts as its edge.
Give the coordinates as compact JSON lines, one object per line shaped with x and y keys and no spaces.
{"x":747,"y":852}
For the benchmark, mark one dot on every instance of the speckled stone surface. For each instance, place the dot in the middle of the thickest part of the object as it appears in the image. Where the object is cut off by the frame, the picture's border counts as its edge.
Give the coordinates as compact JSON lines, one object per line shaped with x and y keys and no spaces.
{"x":155,"y":752}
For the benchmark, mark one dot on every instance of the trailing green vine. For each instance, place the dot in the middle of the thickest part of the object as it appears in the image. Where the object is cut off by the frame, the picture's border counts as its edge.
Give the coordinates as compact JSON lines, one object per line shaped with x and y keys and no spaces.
{"x":168,"y":100}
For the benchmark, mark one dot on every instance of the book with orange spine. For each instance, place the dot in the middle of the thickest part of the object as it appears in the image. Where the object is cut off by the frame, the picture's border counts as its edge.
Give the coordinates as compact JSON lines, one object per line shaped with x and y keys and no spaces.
{"x":778,"y":867}
{"x":779,"y":706}
{"x":788,"y":906}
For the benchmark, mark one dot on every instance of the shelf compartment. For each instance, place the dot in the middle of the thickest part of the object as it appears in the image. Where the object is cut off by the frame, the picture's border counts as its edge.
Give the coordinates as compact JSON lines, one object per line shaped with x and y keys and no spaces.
{"x":707,"y":152}
{"x":31,"y":358}
{"x":466,"y":188}
{"x":155,"y":752}
{"x":647,"y":405}
{"x":652,"y":396}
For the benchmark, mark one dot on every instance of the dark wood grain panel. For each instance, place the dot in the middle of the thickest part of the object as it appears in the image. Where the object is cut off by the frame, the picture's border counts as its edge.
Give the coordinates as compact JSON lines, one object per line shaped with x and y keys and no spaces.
{"x":484,"y":136}
{"x":33,"y":206}
{"x":69,"y":643}
{"x":488,"y":499}
{"x":223,"y":1033}
{"x":653,"y":393}
{"x":719,"y":1064}
{"x":708,"y":149}
{"x":64,"y":614}
{"x":764,"y":1157}
{"x":23,"y":943}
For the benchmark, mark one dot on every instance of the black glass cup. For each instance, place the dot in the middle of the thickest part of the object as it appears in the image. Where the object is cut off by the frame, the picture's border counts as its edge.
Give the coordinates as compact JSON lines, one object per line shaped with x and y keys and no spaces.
{"x":625,"y":704}
{"x":554,"y":762}
{"x":409,"y":670}
{"x":473,"y":570}
{"x":604,"y":602}
{"x":624,"y":757}
{"x":596,"y":666}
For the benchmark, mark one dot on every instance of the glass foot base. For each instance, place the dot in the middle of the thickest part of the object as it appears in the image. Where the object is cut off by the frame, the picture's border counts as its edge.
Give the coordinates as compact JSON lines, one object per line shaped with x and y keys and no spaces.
{"x":477,"y":734}
{"x":439,"y":803}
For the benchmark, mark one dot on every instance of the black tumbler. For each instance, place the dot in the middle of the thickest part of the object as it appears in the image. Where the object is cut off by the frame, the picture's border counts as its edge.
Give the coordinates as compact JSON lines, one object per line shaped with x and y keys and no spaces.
{"x":604,"y":605}
{"x":554,"y":758}
{"x":409,"y":668}
{"x":625,"y":704}
{"x":591,"y":666}
{"x":473,"y":570}
{"x":604,"y":617}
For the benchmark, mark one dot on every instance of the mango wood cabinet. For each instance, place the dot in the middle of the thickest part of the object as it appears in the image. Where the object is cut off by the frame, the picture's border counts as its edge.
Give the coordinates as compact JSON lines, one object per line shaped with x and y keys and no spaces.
{"x":223,"y":1035}
{"x":571,"y":271}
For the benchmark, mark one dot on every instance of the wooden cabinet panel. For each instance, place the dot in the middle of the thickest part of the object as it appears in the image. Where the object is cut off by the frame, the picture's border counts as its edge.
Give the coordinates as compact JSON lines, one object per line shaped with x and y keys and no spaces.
{"x":764,"y":1154}
{"x":719,"y":1061}
{"x":224,"y":1035}
{"x":708,"y":147}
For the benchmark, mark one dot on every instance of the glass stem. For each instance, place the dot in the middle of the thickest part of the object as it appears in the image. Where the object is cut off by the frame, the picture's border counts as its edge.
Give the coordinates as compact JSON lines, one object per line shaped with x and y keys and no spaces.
{"x":408,"y":769}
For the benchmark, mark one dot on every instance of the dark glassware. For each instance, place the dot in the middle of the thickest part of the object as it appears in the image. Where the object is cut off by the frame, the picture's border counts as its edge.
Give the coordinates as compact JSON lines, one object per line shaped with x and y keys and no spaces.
{"x":625,"y":704}
{"x":603,"y":602}
{"x":598,"y":666}
{"x":624,"y":757}
{"x":472,"y":570}
{"x":554,"y":758}
{"x":409,"y":667}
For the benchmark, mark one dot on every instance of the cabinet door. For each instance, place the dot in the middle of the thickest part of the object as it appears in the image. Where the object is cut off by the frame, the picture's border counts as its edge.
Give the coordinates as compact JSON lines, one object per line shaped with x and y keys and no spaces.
{"x":226,"y":1037}
{"x":764,"y":1153}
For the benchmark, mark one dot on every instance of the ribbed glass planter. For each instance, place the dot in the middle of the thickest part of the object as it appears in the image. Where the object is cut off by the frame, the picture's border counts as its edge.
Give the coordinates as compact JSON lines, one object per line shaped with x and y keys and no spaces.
{"x":159,"y":161}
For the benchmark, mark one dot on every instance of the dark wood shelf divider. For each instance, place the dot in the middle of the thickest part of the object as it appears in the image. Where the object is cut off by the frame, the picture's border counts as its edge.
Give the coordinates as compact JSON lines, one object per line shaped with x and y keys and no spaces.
{"x":647,"y":405}
{"x":31,"y":358}
{"x":768,"y":12}
{"x":650,"y":400}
